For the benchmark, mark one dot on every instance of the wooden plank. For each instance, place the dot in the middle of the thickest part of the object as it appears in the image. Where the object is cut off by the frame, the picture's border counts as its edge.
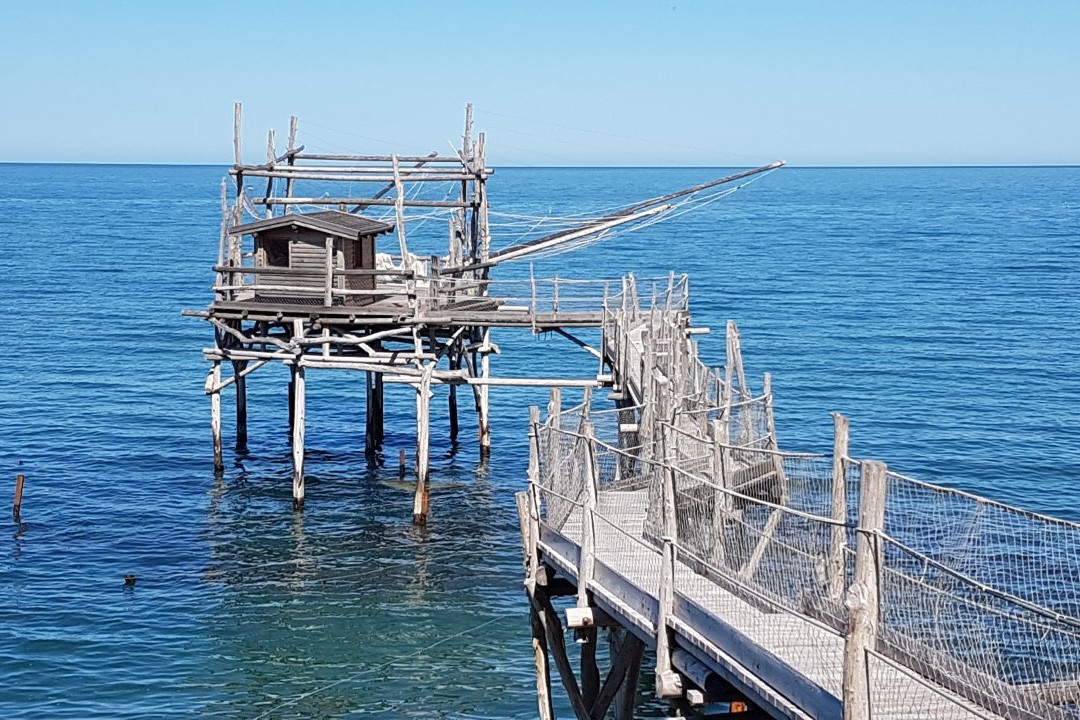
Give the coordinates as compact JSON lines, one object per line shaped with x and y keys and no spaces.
{"x":767,"y":667}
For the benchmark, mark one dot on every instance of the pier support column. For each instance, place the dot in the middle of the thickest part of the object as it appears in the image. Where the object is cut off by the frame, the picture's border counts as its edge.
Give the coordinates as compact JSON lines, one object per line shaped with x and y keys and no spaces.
{"x":423,"y":431}
{"x":373,"y":422}
{"x":455,"y":364}
{"x":292,"y":405}
{"x":483,"y":406}
{"x":215,"y":415}
{"x":241,"y":403}
{"x":622,"y":643}
{"x":299,"y":392}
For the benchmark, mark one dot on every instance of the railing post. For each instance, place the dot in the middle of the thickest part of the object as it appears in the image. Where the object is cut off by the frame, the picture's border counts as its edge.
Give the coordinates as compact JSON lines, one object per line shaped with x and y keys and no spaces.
{"x":555,"y":407}
{"x":588,"y":517}
{"x":668,"y":682}
{"x":770,"y":427}
{"x":534,"y":491}
{"x":838,"y":542}
{"x":863,"y":598}
{"x":721,"y":500}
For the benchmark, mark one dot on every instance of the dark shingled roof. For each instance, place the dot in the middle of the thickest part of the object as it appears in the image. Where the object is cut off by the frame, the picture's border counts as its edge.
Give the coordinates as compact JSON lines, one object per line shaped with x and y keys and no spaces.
{"x":332,"y":222}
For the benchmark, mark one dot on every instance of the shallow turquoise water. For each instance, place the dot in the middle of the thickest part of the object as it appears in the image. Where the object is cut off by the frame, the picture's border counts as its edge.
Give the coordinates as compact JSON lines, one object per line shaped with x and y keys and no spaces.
{"x":937,"y":307}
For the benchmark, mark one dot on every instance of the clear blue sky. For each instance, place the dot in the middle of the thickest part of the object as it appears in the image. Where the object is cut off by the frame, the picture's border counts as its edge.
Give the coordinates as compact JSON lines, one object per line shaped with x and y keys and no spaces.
{"x":554,"y":83}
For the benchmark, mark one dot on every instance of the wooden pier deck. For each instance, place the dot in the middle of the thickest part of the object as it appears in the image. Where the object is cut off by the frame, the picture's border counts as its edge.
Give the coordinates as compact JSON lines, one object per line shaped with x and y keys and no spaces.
{"x":787,"y":579}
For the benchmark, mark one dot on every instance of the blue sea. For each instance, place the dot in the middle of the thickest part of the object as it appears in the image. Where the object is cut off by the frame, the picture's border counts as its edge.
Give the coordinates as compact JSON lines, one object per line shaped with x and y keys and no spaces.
{"x":938,"y":307}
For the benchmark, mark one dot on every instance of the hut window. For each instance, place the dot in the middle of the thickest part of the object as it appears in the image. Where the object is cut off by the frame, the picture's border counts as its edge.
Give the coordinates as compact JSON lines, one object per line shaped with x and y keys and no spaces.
{"x":277,"y":252}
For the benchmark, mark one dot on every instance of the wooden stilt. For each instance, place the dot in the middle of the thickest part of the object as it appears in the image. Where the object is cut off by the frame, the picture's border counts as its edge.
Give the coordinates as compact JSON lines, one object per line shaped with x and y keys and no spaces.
{"x":373,"y":414}
{"x":483,"y":404}
{"x":455,"y":364}
{"x":292,"y":405}
{"x":215,"y":415}
{"x":423,"y":431}
{"x":543,"y":669}
{"x":590,"y":672}
{"x":627,"y":695}
{"x":241,"y":404}
{"x":299,"y":391}
{"x":557,"y":643}
{"x":380,"y":404}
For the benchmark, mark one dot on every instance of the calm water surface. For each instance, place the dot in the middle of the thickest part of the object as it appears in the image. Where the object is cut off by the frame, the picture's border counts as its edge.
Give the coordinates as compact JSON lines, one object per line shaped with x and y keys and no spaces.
{"x":937,"y":307}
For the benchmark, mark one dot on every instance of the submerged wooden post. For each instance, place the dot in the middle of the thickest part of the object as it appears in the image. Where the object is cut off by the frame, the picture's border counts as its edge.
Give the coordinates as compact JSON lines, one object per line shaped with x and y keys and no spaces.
{"x":241,"y":403}
{"x":423,"y":429}
{"x":16,"y":508}
{"x":838,"y":541}
{"x":215,"y":415}
{"x":863,"y":600}
{"x":299,"y":416}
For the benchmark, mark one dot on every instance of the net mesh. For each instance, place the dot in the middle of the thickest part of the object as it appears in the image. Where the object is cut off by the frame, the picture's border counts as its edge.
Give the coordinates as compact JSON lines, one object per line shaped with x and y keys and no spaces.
{"x":978,"y":612}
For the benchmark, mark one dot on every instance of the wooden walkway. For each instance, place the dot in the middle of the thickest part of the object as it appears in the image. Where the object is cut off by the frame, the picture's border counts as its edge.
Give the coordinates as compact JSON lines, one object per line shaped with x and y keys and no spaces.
{"x":677,"y":520}
{"x":788,"y":665}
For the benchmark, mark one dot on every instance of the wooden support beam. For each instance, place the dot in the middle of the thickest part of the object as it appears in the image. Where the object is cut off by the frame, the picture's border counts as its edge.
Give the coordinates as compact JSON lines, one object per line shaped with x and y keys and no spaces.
{"x":483,"y":399}
{"x":421,"y":499}
{"x":863,"y":599}
{"x":625,"y":659}
{"x":299,"y":418}
{"x":240,"y":380}
{"x":626,"y":698}
{"x":373,"y":417}
{"x":452,"y":403}
{"x":292,"y":405}
{"x":293,"y":121}
{"x":543,"y":669}
{"x":328,"y":282}
{"x":215,"y":416}
{"x":590,"y":671}
{"x":557,"y":645}
{"x":238,"y":121}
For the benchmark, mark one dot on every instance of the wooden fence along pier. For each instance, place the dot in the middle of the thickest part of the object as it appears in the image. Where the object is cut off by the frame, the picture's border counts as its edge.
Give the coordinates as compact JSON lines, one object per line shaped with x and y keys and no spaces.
{"x":812,"y":586}
{"x":674,"y":522}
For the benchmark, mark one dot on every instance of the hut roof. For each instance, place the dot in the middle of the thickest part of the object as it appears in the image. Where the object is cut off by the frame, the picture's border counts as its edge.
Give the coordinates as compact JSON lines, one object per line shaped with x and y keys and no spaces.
{"x":332,"y":222}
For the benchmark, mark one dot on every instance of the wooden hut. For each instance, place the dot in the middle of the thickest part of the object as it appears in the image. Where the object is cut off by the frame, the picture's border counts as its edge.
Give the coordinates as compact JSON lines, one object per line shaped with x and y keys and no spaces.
{"x":308,"y":256}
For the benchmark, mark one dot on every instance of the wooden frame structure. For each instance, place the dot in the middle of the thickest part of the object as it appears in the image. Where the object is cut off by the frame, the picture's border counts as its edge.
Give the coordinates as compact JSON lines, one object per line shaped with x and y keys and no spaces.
{"x":415,"y":319}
